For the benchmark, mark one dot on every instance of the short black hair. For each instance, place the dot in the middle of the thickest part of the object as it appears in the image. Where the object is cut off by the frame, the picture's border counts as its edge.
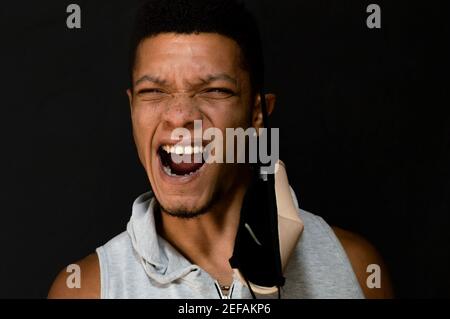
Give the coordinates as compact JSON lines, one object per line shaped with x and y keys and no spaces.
{"x":229,"y":18}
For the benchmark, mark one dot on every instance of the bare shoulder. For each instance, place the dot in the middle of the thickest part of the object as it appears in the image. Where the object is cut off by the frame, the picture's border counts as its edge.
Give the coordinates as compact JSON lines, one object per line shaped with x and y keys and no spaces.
{"x":361,"y":254}
{"x":80,"y":280}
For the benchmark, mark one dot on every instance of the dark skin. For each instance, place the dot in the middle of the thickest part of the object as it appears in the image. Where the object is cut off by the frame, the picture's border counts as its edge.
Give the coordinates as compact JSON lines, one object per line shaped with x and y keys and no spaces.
{"x":179,"y":79}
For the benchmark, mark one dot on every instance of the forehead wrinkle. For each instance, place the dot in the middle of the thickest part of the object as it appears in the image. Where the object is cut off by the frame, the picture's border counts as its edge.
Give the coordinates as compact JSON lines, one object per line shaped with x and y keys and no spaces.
{"x":191,"y":70}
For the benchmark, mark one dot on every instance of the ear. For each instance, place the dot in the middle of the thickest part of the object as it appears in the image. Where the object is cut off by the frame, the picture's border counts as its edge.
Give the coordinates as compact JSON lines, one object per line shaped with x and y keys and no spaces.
{"x":257,"y":117}
{"x":130,"y":97}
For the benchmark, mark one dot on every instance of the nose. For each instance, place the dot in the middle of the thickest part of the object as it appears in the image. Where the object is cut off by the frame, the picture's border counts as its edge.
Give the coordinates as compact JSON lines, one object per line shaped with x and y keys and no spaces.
{"x":181,"y":111}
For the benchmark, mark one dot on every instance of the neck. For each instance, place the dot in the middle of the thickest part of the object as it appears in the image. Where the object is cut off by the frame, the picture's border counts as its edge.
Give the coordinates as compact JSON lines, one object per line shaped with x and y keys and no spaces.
{"x":208,"y":240}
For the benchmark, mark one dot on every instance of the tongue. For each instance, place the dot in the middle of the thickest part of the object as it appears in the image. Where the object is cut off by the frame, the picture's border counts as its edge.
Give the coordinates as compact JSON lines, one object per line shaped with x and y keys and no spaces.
{"x":184,"y":168}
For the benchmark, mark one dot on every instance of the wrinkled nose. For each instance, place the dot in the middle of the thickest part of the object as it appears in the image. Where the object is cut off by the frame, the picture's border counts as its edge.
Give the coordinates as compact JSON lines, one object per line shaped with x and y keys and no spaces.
{"x":181,"y":111}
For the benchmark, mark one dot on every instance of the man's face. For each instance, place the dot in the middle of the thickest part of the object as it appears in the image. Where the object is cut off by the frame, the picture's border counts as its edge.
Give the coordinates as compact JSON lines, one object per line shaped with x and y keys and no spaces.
{"x":179,"y":79}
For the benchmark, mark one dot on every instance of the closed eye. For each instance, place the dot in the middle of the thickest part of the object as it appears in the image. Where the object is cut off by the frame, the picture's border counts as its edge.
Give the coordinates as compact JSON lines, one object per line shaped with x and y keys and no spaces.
{"x":152,"y":95}
{"x":220,"y":90}
{"x":149,"y":90}
{"x":218,"y":93}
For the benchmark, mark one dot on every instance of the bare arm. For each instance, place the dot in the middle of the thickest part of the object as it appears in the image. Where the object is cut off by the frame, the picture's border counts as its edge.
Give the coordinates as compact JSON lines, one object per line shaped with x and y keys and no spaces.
{"x":362,"y":254}
{"x":89,"y":281}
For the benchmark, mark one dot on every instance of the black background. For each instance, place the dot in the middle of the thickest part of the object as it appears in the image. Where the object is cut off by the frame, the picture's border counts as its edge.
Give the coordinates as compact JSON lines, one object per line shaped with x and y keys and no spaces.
{"x":364,"y":132}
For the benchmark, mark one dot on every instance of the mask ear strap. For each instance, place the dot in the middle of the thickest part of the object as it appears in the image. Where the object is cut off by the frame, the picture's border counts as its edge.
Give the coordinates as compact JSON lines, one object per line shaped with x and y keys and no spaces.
{"x":273,"y":211}
{"x":264,"y":109}
{"x":266,"y":126}
{"x":265,"y":116}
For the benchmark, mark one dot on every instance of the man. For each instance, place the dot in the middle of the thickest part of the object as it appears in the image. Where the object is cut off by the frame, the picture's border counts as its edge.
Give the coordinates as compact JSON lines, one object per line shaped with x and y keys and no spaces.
{"x":201,"y":61}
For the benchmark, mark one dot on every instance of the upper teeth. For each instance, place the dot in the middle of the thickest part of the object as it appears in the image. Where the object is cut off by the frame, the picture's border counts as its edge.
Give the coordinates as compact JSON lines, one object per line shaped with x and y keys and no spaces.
{"x":181,"y":150}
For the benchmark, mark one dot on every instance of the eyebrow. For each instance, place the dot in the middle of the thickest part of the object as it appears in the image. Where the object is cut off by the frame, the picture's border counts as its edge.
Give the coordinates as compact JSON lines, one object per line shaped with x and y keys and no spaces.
{"x":208,"y":79}
{"x":150,"y":78}
{"x":220,"y":76}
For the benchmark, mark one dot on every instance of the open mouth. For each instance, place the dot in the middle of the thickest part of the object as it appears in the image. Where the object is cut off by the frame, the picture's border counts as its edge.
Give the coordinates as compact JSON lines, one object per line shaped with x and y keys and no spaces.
{"x":191,"y":159}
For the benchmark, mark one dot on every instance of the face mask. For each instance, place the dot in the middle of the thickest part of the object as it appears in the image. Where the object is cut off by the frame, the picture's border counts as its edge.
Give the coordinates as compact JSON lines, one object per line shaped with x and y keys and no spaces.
{"x":269,"y":228}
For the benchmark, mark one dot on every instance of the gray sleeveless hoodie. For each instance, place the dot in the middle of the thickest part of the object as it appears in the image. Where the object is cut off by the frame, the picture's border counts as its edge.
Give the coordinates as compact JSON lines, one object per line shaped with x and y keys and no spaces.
{"x":138,"y":263}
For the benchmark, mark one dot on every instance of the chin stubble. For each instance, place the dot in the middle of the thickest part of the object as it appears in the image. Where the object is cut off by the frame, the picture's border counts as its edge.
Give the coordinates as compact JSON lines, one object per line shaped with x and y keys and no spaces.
{"x":188,"y":214}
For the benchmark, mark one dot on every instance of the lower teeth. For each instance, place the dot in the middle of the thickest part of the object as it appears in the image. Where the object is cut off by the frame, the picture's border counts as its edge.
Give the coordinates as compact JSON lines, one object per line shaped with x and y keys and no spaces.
{"x":168,"y":171}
